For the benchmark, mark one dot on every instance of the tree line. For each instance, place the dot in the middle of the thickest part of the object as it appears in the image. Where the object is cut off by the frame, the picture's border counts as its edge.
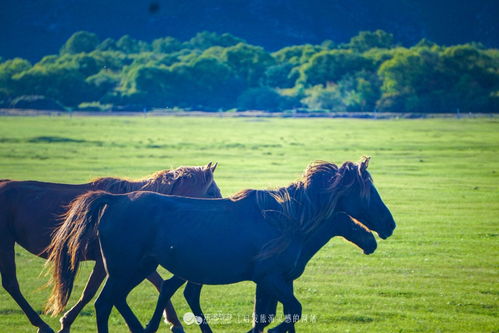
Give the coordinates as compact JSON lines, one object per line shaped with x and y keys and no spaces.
{"x":214,"y":72}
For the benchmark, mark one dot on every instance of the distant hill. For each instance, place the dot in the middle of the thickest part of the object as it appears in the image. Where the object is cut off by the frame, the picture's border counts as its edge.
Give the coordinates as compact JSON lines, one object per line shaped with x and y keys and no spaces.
{"x":31,"y":29}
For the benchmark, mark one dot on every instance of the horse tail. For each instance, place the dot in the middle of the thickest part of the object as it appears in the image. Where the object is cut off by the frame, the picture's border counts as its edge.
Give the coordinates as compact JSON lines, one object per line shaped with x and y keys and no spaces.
{"x":70,"y":243}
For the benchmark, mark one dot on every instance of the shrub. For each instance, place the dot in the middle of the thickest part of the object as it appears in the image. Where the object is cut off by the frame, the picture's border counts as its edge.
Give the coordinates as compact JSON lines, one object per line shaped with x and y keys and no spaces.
{"x":36,"y":102}
{"x":261,"y":98}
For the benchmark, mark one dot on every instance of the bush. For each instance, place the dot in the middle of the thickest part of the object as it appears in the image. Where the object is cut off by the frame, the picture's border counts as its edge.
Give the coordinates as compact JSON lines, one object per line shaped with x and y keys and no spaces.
{"x":94,"y":106}
{"x":261,"y":98}
{"x":324,"y":98}
{"x":36,"y":102}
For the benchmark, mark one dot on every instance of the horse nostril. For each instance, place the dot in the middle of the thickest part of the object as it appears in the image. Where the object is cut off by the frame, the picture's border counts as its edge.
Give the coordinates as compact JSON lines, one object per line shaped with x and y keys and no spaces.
{"x":370,"y":250}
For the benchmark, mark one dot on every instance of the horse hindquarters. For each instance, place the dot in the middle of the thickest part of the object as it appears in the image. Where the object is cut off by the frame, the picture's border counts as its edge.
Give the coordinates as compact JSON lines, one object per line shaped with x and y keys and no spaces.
{"x":71,"y":242}
{"x":125,"y":264}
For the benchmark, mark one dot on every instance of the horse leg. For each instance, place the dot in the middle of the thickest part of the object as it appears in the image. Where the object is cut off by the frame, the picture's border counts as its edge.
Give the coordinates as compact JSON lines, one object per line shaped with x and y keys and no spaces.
{"x":120,"y":302}
{"x":168,"y":288}
{"x":11,"y":285}
{"x":169,"y":313}
{"x":114,"y":293}
{"x":192,"y":293}
{"x":98,"y":275}
{"x":282,"y":290}
{"x":264,"y":311}
{"x":103,"y":306}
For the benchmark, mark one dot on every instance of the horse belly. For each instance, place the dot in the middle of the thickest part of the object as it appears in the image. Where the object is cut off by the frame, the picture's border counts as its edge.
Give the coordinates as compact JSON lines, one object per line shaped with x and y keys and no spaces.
{"x":209,"y":265}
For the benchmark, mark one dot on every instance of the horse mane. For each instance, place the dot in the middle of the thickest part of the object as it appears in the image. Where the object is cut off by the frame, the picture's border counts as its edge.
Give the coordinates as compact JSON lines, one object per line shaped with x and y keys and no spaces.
{"x":163,"y":181}
{"x":298,"y":209}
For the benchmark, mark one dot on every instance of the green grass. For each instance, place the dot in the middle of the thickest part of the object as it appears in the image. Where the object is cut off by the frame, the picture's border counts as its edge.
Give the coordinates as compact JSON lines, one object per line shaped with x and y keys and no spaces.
{"x":439,"y":272}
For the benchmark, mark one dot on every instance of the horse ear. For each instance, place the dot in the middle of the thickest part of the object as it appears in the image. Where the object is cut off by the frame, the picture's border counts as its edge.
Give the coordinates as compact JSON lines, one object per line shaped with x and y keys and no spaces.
{"x":364,"y":163}
{"x":208,"y":166}
{"x":214,"y":167}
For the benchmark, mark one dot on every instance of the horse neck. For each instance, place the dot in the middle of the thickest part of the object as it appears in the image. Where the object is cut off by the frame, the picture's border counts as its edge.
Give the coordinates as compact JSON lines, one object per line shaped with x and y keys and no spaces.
{"x":120,"y":185}
{"x":138,"y":185}
{"x":317,"y":239}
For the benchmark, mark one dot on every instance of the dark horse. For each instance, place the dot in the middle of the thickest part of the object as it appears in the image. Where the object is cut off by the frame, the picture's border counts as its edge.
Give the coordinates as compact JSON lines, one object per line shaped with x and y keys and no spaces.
{"x":30,"y":213}
{"x":258,"y":236}
{"x":339,"y":224}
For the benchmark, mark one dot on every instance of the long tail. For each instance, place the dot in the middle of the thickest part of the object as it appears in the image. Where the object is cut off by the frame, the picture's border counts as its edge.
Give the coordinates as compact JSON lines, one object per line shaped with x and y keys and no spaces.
{"x":69,"y":245}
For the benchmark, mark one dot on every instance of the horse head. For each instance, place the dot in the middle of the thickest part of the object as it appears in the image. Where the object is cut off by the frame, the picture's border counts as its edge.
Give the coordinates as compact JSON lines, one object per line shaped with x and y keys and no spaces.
{"x":360,"y":199}
{"x":196,"y":182}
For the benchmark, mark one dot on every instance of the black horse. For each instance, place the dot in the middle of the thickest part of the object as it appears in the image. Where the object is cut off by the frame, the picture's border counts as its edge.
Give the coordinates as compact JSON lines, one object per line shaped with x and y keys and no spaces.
{"x":264,"y":312}
{"x":255,"y":235}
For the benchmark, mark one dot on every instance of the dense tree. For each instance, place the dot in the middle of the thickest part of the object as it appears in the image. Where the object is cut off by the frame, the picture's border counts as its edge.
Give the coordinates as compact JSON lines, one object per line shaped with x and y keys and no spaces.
{"x":367,"y":40}
{"x":426,"y":80}
{"x":62,"y":83}
{"x":322,"y":97}
{"x":81,"y":41}
{"x":103,"y":83}
{"x":411,"y":80}
{"x":261,"y":98}
{"x":219,"y":71}
{"x":111,"y":60}
{"x":248,"y":61}
{"x":204,"y":82}
{"x":7,"y":70}
{"x":331,"y":66}
{"x":355,"y":92}
{"x":213,"y":83}
{"x":107,"y":44}
{"x":129,"y":45}
{"x":296,"y":55}
{"x":474,"y":77}
{"x":206,"y":39}
{"x":281,"y":75}
{"x":166,"y":45}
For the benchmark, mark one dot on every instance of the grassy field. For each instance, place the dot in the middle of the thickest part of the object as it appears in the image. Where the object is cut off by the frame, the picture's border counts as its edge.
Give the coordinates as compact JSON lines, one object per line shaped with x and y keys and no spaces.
{"x":439,"y":272}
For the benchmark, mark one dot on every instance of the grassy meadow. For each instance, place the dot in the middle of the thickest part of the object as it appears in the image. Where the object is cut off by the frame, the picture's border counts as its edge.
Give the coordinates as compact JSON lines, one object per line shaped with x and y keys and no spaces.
{"x":439,"y":272}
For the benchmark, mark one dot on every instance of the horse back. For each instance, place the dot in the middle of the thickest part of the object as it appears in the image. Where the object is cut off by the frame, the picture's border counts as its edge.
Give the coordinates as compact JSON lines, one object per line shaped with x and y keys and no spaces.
{"x":210,"y":234}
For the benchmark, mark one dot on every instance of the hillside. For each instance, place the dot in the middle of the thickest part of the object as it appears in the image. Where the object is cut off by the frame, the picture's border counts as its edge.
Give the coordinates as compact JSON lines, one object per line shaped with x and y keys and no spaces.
{"x":31,"y":29}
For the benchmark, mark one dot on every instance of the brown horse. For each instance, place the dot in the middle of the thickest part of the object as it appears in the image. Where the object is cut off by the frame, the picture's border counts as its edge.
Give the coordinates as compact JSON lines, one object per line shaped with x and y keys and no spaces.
{"x":30,"y":213}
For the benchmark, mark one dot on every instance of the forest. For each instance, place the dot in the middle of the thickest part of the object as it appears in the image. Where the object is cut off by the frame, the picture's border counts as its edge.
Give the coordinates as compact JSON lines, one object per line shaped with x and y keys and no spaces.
{"x":222,"y":72}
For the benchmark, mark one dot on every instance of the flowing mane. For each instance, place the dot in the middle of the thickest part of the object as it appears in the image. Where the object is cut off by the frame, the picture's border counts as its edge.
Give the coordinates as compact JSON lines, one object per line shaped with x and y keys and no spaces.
{"x":162,"y":181}
{"x":301,"y":207}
